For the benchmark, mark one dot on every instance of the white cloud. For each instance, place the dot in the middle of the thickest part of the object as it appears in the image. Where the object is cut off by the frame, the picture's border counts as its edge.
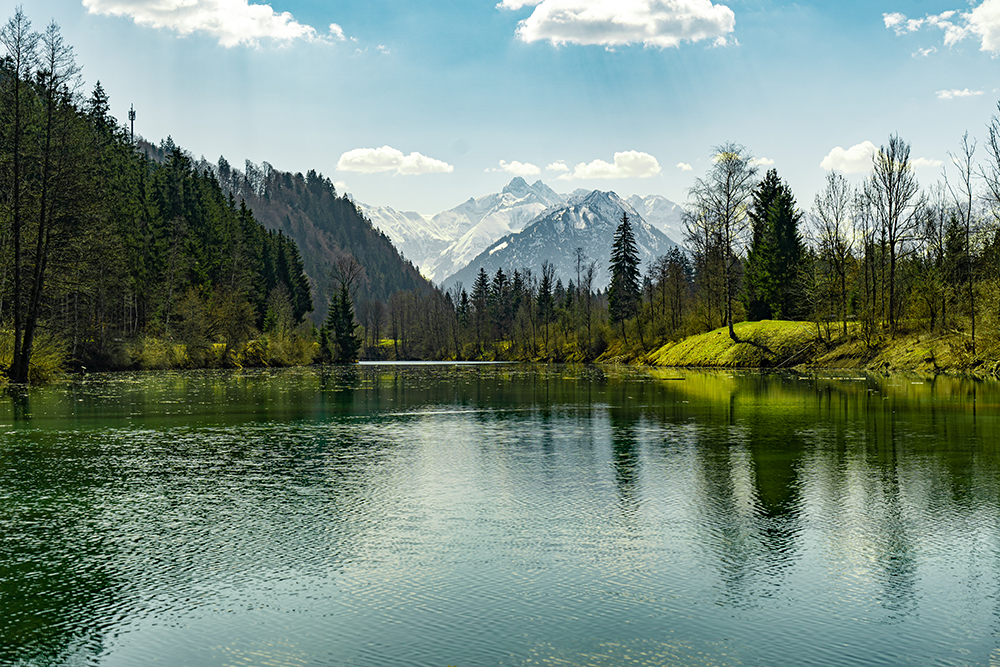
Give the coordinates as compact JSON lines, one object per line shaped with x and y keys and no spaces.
{"x":926,"y":162}
{"x":375,"y":160}
{"x":518,"y":168}
{"x":762,"y":161}
{"x":684,"y":166}
{"x":923,"y":53}
{"x":337,"y":33}
{"x":610,"y":23}
{"x":517,"y":4}
{"x":856,"y":159}
{"x":982,"y":21}
{"x":900,"y":23}
{"x":628,"y":164}
{"x":557,"y":166}
{"x":952,"y":94}
{"x":233,"y":22}
{"x":341,"y":187}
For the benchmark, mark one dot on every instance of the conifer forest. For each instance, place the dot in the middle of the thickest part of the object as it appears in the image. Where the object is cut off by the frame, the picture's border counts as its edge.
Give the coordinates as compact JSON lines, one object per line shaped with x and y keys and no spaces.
{"x":118,"y":253}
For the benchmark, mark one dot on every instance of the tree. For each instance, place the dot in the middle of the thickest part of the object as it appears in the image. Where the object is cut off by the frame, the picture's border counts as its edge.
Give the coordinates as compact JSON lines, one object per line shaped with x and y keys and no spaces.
{"x":21,"y":45}
{"x":623,"y":292}
{"x":894,"y":196}
{"x":719,"y":221}
{"x":832,"y":208}
{"x":772,"y":284}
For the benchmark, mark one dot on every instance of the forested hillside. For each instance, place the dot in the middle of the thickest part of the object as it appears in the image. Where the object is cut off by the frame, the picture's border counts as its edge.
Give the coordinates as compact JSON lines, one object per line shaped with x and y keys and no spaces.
{"x":328,"y":229}
{"x":109,"y":259}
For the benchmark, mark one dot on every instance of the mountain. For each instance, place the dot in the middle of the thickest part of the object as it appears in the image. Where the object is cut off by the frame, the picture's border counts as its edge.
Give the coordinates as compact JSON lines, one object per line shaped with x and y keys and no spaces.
{"x":446,"y":242}
{"x":584,"y":222}
{"x":418,"y":238}
{"x":326,"y":227}
{"x":662,"y":213}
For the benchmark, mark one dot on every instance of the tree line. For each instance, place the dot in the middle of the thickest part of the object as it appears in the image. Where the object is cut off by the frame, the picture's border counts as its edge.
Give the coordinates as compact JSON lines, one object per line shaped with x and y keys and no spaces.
{"x":113,"y":260}
{"x":870,"y":260}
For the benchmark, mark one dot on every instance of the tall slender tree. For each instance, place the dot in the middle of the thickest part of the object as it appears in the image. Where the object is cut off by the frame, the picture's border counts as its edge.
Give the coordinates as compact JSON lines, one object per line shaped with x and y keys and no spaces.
{"x":721,"y":202}
{"x":623,"y":292}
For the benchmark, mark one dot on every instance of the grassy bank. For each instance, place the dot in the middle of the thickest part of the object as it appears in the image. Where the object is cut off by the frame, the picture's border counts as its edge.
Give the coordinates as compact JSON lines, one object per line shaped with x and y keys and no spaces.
{"x":780,"y":344}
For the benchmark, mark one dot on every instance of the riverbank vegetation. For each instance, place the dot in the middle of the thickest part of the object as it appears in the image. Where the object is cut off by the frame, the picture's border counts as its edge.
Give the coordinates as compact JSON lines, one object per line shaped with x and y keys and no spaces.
{"x":116,"y":253}
{"x":110,"y":259}
{"x":878,"y":274}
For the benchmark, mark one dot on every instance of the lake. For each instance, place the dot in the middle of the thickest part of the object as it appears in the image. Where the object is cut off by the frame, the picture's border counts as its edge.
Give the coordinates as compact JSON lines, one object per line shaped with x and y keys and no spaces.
{"x":477,"y":514}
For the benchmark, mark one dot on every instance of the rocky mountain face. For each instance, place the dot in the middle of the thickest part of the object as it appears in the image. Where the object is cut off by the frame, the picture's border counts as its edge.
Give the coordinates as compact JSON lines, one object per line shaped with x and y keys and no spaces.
{"x":443,"y":244}
{"x":586,"y":222}
{"x":662,"y":213}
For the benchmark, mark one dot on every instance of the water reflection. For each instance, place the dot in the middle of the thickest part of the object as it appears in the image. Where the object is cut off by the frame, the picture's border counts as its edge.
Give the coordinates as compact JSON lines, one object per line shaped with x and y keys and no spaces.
{"x":387,"y":514}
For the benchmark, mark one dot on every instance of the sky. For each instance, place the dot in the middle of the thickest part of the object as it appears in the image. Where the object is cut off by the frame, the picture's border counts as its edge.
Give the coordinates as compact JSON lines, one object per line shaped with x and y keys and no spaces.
{"x":421,"y":104}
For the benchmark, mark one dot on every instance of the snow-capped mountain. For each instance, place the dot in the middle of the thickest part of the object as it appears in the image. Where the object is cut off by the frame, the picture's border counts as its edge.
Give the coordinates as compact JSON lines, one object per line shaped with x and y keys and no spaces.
{"x":490,"y":218}
{"x":446,"y":242}
{"x":583,"y":222}
{"x":413,"y":234}
{"x":662,"y":213}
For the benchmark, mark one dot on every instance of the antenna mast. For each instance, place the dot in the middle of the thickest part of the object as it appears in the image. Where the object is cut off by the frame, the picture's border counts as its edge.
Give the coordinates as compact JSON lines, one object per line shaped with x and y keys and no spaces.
{"x":131,"y":118}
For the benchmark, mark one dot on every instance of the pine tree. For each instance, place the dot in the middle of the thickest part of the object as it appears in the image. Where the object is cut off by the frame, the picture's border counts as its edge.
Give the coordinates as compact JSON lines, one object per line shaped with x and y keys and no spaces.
{"x":771,"y":286}
{"x":341,"y":328}
{"x":623,"y":293}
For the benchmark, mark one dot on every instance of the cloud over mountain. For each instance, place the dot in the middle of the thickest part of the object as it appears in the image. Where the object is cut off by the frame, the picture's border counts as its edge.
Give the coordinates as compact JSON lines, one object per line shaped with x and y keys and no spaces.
{"x":233,"y":22}
{"x":387,"y":158}
{"x":659,"y":23}
{"x":628,"y":164}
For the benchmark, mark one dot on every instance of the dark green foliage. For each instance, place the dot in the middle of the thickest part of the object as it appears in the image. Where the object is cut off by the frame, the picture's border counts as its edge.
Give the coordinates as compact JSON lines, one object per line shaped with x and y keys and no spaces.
{"x":623,"y":293}
{"x":772,"y":285}
{"x":103,"y":246}
{"x":340,"y":338}
{"x":325,"y":227}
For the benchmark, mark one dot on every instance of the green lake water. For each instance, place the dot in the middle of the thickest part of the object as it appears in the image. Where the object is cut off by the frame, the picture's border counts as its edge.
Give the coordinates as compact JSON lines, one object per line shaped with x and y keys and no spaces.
{"x":479,"y":515}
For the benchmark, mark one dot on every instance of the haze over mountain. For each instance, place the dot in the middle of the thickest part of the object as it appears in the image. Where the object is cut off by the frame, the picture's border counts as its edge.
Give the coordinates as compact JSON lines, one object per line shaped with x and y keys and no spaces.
{"x":588,"y":223}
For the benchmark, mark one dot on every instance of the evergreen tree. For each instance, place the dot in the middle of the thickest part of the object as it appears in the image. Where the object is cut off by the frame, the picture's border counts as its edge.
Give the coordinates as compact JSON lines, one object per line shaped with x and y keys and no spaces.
{"x":623,"y":293}
{"x":341,"y":328}
{"x":772,"y":285}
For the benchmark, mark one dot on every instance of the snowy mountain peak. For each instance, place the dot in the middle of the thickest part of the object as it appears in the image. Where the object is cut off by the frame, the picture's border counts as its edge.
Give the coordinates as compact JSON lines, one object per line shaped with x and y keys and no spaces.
{"x":517,"y":187}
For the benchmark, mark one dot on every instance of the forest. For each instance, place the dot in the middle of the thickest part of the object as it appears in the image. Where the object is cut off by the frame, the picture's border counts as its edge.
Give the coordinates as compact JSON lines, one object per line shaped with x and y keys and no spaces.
{"x":112,"y":260}
{"x":116,"y":253}
{"x":868,"y":262}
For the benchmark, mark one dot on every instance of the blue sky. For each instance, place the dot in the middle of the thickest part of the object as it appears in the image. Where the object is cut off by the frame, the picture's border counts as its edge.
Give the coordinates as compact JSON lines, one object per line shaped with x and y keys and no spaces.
{"x":420,"y":104}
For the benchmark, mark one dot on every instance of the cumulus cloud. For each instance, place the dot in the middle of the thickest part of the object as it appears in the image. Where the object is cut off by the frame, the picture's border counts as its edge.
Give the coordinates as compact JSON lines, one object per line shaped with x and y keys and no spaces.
{"x":856,"y":159}
{"x":762,"y":161}
{"x":517,"y":4}
{"x":952,"y":94}
{"x":386,"y":158}
{"x":628,"y":164}
{"x":233,"y":22}
{"x":557,"y":166}
{"x":982,"y":21}
{"x":926,"y":162}
{"x":337,"y":33}
{"x":610,"y":23}
{"x":684,"y":166}
{"x":518,"y":168}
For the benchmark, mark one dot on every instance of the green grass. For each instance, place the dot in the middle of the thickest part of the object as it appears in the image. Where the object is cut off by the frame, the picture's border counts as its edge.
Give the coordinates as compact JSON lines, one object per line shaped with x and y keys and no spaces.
{"x":766,"y":344}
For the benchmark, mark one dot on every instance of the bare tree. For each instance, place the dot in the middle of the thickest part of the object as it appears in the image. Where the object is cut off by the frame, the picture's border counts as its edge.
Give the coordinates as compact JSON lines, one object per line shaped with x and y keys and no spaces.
{"x":834,"y":239}
{"x":963,"y":195}
{"x":722,"y":200}
{"x":894,"y":195}
{"x":21,"y":44}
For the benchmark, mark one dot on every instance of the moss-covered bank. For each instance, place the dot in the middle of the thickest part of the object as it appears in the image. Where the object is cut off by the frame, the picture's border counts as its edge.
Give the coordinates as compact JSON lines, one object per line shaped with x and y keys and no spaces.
{"x":780,"y":344}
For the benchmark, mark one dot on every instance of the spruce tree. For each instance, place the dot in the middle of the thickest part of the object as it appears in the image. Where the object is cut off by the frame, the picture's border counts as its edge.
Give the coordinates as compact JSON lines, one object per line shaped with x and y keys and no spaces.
{"x":623,"y":293}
